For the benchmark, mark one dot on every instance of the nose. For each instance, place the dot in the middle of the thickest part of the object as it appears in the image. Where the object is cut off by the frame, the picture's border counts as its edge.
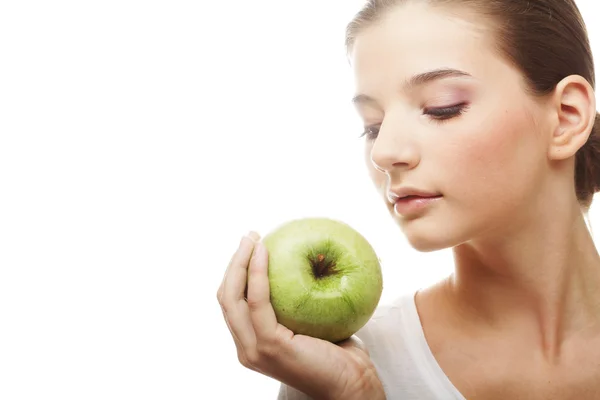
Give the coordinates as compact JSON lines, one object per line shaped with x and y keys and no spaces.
{"x":394,"y":149}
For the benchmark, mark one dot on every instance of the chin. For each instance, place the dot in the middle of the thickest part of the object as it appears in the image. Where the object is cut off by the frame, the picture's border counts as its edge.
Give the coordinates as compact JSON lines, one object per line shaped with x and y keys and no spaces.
{"x":427,"y":236}
{"x":427,"y":244}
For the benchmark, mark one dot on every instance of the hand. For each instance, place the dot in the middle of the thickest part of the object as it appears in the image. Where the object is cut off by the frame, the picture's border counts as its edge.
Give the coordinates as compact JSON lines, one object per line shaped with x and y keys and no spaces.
{"x":318,"y":368}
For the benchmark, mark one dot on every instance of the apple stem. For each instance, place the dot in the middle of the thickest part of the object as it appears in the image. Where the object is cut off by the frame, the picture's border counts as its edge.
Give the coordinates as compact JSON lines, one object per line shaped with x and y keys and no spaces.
{"x":322,"y":268}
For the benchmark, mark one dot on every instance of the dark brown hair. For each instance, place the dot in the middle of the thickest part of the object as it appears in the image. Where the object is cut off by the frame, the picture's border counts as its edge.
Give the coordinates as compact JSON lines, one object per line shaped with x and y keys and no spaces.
{"x":546,"y":39}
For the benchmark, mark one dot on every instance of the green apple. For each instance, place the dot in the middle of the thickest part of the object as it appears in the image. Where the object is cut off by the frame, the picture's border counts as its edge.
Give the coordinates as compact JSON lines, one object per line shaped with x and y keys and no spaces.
{"x":325,"y":278}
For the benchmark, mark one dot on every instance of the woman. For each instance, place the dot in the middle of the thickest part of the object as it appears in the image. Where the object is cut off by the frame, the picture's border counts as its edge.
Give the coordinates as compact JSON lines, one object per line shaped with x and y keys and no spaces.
{"x":484,"y":112}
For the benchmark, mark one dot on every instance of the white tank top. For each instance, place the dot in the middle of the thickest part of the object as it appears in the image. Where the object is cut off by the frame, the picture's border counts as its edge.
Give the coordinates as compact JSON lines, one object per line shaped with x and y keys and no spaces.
{"x":401,"y":355}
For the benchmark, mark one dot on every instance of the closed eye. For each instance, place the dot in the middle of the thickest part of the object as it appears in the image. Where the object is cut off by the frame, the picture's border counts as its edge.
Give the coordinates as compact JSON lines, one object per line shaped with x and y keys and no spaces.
{"x":444,"y":113}
{"x":435,"y":113}
{"x":371,"y":132}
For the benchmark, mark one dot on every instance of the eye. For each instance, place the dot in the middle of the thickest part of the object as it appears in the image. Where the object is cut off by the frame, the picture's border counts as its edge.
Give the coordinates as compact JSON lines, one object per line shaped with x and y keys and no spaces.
{"x":444,"y":113}
{"x":371,"y":132}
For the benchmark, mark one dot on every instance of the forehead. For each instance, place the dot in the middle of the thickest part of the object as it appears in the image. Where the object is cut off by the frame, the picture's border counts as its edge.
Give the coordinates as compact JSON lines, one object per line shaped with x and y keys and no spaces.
{"x":414,"y":37}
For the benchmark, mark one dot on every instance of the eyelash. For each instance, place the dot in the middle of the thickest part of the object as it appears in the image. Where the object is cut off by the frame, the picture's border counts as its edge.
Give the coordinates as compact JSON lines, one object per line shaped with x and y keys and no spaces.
{"x":439,"y":115}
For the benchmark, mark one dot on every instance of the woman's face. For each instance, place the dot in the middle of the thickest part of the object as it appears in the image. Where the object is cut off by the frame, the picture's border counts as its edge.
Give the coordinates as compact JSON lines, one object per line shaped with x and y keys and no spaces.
{"x":446,"y":114}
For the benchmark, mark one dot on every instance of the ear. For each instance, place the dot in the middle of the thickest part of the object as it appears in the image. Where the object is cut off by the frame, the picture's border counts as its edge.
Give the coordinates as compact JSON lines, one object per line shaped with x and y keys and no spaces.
{"x":574,"y":104}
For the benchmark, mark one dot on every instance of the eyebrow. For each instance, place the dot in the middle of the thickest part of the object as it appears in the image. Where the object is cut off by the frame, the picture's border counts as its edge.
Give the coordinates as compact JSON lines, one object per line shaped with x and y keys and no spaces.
{"x":418,"y":80}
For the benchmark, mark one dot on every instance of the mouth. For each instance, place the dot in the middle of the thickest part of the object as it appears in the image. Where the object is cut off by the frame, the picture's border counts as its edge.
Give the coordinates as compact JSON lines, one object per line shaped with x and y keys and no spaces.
{"x":414,"y":197}
{"x":414,"y":205}
{"x":408,"y":193}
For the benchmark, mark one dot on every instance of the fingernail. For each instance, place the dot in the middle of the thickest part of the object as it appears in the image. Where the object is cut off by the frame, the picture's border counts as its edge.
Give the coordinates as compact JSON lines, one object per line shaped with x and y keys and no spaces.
{"x":254,"y":236}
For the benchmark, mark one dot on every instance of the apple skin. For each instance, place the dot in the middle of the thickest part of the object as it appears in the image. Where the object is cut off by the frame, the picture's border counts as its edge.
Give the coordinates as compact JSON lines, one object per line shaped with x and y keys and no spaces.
{"x":332,"y":307}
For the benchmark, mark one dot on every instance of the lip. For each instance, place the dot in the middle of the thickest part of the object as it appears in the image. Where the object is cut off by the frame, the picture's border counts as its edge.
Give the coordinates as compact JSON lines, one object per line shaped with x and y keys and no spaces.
{"x":396,"y":194}
{"x":409,"y":201}
{"x":412,"y":205}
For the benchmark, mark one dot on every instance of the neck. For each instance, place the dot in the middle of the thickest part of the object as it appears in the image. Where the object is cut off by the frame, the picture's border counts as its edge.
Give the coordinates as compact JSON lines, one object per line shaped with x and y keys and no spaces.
{"x":543,"y":283}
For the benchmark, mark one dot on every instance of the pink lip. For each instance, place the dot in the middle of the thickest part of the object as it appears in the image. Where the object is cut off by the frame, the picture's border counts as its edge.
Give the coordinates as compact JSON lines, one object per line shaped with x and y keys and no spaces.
{"x":407,"y":191}
{"x":412,"y":205}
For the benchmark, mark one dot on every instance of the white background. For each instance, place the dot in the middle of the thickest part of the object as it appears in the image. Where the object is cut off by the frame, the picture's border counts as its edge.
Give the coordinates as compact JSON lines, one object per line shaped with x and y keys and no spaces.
{"x":138,"y":142}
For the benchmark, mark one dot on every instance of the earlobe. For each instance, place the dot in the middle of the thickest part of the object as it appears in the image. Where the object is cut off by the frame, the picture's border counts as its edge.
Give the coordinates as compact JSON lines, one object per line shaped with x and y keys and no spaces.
{"x":575,"y":107}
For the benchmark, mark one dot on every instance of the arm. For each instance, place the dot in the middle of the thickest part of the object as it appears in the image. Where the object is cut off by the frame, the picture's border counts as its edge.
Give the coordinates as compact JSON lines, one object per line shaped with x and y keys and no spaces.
{"x":289,"y":393}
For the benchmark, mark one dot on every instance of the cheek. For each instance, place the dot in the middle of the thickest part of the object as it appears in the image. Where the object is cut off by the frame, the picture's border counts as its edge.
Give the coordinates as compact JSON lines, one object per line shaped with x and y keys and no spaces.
{"x":498,"y":160}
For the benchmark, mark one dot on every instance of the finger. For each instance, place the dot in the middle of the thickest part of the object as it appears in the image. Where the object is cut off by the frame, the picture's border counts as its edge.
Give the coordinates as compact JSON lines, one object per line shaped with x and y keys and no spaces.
{"x":235,"y":308}
{"x":262,"y":314}
{"x":237,"y":272}
{"x":241,"y":348}
{"x":222,"y":285}
{"x":254,"y":237}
